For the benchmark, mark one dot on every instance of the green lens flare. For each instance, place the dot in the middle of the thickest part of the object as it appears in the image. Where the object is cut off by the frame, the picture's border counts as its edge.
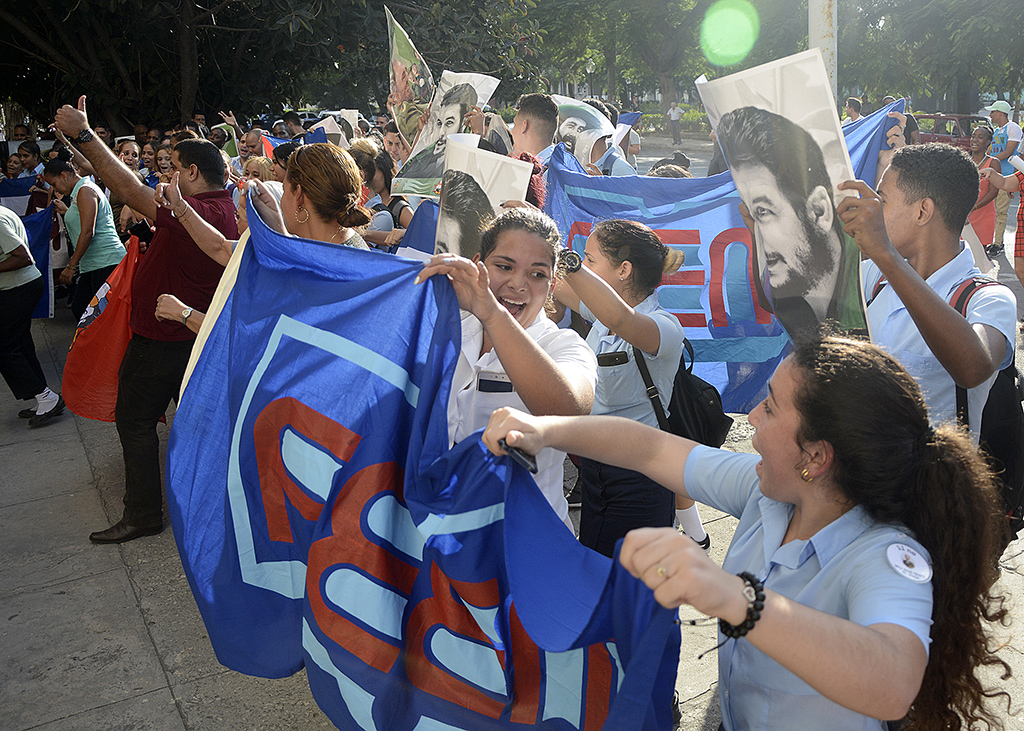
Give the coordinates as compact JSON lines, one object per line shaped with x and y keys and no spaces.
{"x":729,"y":31}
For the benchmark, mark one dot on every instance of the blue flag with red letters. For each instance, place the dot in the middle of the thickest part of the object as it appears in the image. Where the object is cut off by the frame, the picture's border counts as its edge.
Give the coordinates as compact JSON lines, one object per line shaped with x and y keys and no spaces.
{"x":323,"y":522}
{"x":737,"y":343}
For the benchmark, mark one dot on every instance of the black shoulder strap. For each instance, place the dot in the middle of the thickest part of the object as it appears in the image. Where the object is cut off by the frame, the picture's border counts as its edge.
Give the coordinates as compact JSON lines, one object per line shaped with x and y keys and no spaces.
{"x":688,"y":351}
{"x":958,"y":301}
{"x":652,"y":390}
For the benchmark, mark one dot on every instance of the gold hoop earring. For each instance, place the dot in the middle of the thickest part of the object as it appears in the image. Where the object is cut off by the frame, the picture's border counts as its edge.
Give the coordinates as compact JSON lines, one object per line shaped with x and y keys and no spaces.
{"x":297,"y":215}
{"x":805,"y":476}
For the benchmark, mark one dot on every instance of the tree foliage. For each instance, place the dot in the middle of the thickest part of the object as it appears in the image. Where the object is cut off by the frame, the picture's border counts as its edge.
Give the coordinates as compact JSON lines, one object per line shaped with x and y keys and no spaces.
{"x":160,"y":61}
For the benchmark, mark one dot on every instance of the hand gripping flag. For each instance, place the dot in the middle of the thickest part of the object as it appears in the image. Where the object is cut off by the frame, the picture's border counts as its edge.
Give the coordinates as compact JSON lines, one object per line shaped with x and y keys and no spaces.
{"x":322,"y":521}
{"x":736,"y":341}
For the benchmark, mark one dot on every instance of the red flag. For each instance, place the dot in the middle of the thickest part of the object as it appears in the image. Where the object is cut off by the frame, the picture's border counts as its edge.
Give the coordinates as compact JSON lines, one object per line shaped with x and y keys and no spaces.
{"x":90,"y":373}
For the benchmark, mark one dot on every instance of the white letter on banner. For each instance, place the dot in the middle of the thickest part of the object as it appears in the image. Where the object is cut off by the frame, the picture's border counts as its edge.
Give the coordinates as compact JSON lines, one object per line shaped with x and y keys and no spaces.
{"x":312,"y":467}
{"x":471,"y":662}
{"x":564,"y":670}
{"x":367,"y":601}
{"x":357,"y":700}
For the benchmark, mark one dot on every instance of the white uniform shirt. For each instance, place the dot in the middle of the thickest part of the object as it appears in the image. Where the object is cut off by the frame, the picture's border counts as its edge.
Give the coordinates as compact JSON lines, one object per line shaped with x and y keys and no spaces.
{"x":894,"y":331}
{"x":480,"y":386}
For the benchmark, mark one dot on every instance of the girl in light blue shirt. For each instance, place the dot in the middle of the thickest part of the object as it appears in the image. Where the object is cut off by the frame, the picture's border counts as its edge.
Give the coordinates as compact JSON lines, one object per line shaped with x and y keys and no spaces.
{"x":615,"y":289}
{"x":864,"y":558}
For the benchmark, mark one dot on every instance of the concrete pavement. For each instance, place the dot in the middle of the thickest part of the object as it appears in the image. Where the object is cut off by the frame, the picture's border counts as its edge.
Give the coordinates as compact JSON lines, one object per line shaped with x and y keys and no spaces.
{"x":109,"y":637}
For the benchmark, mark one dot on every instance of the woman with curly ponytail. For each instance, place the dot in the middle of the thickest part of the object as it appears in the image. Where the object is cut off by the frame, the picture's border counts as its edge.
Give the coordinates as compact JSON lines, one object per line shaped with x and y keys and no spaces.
{"x":858,"y":588}
{"x":615,"y":289}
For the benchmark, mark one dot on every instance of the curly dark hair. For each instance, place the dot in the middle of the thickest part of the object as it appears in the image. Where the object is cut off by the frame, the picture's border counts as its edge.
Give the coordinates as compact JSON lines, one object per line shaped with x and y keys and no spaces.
{"x":941,"y":172}
{"x":890,"y":461}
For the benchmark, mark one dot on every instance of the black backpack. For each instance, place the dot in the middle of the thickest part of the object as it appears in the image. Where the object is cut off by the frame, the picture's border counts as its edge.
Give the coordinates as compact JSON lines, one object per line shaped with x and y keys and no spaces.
{"x":695,"y":409}
{"x":1002,"y":420}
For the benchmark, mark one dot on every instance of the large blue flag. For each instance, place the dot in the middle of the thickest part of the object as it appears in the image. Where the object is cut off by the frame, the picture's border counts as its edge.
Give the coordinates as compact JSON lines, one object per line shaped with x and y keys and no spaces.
{"x":323,"y":522}
{"x":737,"y":342}
{"x":38,"y":227}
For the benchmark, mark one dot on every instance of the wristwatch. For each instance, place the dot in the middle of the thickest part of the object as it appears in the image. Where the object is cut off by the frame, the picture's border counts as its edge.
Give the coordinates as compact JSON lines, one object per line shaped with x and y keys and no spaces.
{"x":184,"y":316}
{"x":569,"y":261}
{"x":84,"y":136}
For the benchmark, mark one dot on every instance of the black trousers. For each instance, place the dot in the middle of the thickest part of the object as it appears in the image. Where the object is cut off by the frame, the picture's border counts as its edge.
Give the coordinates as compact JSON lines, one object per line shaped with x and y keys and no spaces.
{"x":150,"y":376}
{"x":615,"y":501}
{"x":19,"y":365}
{"x":85,"y":288}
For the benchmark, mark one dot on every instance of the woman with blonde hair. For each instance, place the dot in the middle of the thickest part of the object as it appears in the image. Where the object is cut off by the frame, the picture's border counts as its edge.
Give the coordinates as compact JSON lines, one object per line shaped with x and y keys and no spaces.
{"x":258,"y":167}
{"x":613,"y":286}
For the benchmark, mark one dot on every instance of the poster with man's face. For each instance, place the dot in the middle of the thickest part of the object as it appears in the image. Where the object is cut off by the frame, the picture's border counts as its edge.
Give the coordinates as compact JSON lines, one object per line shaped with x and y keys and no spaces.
{"x":454,"y":96}
{"x":475,"y":184}
{"x":580,"y":127}
{"x":412,"y":84}
{"x":778,"y":128}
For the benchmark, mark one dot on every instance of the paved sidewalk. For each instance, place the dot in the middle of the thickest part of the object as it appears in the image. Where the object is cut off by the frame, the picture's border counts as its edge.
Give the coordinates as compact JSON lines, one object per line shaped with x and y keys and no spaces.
{"x":109,"y":637}
{"x":105,"y":637}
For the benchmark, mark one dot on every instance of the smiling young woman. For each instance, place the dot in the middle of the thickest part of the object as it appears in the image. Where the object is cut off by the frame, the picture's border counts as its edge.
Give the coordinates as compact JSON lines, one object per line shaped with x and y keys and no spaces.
{"x":859,"y":585}
{"x":512,"y":354}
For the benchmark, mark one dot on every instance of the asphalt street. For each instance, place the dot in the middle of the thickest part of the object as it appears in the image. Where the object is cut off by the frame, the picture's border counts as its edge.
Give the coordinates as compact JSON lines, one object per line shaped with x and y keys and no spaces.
{"x":109,"y":637}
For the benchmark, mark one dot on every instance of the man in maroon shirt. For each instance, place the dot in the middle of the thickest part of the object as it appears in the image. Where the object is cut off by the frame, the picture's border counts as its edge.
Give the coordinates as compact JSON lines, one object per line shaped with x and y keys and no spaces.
{"x":155,"y":361}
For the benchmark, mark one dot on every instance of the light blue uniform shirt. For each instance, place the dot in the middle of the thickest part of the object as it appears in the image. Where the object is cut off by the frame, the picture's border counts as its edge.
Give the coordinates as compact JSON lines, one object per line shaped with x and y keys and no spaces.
{"x":612,"y":162}
{"x":894,"y":330}
{"x":620,"y":388}
{"x":1001,"y":137}
{"x":842,"y":570}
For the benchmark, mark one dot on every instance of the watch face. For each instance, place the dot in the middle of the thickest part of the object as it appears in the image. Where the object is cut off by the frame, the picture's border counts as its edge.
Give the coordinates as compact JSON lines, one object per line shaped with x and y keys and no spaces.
{"x":569,"y":261}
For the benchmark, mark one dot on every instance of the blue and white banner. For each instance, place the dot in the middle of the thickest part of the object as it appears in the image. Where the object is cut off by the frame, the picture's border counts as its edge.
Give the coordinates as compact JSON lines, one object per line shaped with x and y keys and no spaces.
{"x":737,"y":342}
{"x":15,"y":192}
{"x":323,"y":522}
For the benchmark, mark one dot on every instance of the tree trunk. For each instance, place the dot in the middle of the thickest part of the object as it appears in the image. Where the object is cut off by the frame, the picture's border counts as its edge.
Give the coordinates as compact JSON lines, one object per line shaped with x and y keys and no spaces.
{"x":667,"y":83}
{"x":611,"y":59}
{"x":188,"y":52}
{"x":962,"y":94}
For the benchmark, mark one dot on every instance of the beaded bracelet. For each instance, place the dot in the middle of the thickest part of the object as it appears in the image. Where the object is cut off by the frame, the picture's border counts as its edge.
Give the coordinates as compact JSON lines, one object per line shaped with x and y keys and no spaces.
{"x":754,"y":594}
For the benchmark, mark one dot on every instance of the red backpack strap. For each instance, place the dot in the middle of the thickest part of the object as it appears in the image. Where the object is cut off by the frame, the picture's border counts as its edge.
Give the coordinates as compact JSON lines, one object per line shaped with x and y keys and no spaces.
{"x":958,"y":301}
{"x":962,"y":294}
{"x":879,"y":286}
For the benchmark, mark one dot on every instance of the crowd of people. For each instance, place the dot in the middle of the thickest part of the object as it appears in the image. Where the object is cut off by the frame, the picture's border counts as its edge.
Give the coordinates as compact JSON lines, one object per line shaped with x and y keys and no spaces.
{"x":859,"y":583}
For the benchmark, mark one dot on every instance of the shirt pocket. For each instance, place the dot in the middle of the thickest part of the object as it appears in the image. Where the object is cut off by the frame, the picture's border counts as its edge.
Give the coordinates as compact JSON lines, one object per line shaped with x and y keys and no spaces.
{"x":620,"y":385}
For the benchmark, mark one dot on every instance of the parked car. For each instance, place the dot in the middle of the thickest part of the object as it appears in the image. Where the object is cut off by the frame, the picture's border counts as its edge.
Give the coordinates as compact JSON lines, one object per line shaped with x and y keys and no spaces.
{"x":953,"y":129}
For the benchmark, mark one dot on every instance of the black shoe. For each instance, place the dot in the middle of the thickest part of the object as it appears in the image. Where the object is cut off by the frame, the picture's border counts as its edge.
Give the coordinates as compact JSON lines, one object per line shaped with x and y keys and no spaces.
{"x":706,"y":543}
{"x":26,"y":413}
{"x":40,"y":419}
{"x":121,"y":532}
{"x":575,"y":496}
{"x":994,"y":250}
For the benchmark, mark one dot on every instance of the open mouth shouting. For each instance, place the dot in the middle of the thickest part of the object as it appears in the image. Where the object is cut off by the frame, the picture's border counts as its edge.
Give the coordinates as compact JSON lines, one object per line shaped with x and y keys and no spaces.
{"x":513,"y":306}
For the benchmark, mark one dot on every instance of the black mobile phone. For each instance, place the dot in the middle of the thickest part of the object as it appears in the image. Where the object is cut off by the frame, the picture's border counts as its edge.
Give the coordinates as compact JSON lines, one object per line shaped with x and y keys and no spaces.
{"x":612,"y":359}
{"x":520,"y":457}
